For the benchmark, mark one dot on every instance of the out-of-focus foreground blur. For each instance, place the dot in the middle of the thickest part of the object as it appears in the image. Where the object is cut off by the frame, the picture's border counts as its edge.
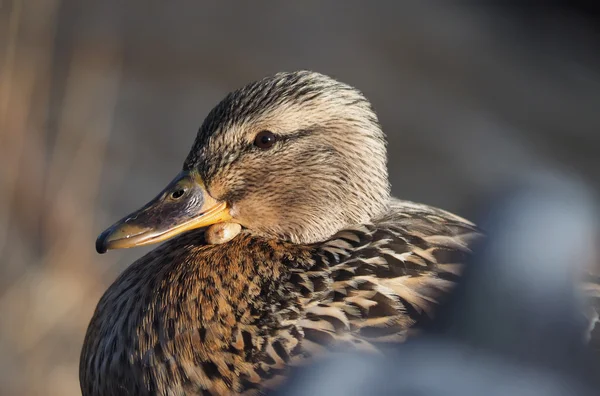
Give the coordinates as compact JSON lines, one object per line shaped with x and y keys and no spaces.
{"x":100,"y":102}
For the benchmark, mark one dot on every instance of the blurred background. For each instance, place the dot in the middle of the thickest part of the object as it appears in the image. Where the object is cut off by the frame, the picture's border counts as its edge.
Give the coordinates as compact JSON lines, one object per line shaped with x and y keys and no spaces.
{"x":100,"y":102}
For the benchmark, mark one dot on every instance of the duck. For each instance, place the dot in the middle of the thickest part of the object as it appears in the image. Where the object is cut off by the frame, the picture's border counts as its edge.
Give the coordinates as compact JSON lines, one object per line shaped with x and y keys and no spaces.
{"x":281,"y":243}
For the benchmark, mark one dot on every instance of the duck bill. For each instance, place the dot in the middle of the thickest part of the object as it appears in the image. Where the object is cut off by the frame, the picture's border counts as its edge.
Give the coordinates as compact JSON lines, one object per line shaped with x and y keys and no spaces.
{"x":182,"y":206}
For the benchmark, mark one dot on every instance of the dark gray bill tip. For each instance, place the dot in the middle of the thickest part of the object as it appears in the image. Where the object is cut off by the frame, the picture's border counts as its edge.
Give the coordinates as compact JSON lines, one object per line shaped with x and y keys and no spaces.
{"x":101,"y":242}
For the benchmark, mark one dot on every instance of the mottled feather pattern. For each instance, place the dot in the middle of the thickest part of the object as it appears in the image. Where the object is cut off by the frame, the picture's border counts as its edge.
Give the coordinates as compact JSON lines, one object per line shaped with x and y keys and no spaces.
{"x":235,"y":320}
{"x":389,"y":275}
{"x":192,"y":327}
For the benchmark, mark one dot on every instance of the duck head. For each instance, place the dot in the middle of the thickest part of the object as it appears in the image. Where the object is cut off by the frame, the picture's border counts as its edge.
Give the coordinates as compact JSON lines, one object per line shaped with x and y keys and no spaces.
{"x":295,"y":156}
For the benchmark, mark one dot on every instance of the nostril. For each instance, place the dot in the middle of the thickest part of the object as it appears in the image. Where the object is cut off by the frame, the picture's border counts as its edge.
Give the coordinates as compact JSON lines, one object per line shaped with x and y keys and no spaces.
{"x":177,"y":193}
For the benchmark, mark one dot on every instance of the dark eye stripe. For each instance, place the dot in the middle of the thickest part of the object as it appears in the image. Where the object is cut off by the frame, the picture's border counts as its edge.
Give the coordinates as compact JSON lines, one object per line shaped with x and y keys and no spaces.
{"x":287,"y":138}
{"x":299,"y":134}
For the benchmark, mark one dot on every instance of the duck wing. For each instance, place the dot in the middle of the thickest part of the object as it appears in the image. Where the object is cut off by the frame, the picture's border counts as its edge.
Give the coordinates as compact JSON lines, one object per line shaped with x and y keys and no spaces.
{"x":371,"y":283}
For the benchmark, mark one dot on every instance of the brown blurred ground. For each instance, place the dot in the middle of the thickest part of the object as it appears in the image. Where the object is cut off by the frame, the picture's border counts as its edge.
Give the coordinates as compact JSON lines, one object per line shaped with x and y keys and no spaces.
{"x":100,"y":101}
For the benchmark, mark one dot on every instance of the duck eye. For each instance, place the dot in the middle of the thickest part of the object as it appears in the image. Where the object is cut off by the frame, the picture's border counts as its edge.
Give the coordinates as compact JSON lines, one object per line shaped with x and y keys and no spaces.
{"x":178,"y":193}
{"x":265,"y":140}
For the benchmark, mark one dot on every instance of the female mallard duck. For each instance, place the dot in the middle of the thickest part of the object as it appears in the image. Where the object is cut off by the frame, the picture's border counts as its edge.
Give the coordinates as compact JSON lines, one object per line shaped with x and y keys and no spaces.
{"x":325,"y":257}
